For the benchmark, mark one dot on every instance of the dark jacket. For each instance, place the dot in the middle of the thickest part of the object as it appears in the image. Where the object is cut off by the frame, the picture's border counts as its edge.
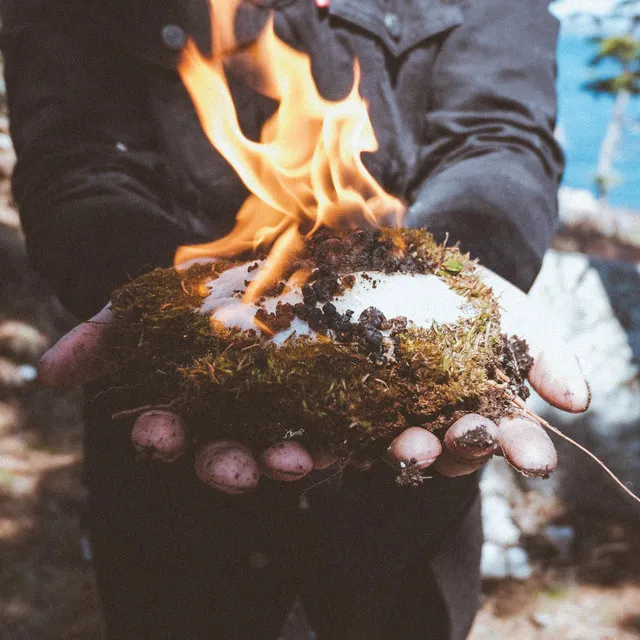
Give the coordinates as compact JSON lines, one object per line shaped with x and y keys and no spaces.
{"x":114,"y":171}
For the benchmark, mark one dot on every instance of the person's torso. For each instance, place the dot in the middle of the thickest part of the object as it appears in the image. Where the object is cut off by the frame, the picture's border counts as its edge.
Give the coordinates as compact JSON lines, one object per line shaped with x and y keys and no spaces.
{"x":394,"y":41}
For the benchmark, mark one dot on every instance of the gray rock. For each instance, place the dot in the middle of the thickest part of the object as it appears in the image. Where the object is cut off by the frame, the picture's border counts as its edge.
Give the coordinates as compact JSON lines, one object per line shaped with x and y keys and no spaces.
{"x":497,"y":523}
{"x":493,"y":562}
{"x":501,"y":555}
{"x":498,"y":479}
{"x":518,"y":566}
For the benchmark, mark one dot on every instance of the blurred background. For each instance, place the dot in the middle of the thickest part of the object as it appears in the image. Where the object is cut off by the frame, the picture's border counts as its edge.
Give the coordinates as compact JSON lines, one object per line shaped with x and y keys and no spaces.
{"x":562,"y":556}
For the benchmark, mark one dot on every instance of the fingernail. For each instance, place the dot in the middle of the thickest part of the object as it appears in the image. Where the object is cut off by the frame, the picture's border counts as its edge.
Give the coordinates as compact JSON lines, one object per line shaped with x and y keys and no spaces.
{"x":286,"y":461}
{"x":557,"y":377}
{"x":416,"y":444}
{"x":227,"y":466}
{"x":472,"y":437}
{"x":527,"y":447}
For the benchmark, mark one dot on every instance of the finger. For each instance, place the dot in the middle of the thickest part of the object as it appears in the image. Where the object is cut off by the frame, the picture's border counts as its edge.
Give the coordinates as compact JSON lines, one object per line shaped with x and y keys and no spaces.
{"x":79,"y":356}
{"x":227,"y":466}
{"x":469,"y":443}
{"x":473,"y":438}
{"x":323,"y":460}
{"x":446,"y":465}
{"x":159,"y":435}
{"x":286,"y":461}
{"x":557,"y":377}
{"x":556,"y":374}
{"x":527,"y":447}
{"x":416,"y":446}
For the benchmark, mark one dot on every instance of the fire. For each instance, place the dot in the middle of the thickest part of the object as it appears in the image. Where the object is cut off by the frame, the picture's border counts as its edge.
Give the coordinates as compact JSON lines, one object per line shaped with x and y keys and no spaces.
{"x":306,"y":171}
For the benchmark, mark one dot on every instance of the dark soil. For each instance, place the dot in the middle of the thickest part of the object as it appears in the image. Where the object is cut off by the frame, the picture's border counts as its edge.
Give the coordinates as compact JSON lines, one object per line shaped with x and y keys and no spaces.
{"x":516,"y":362}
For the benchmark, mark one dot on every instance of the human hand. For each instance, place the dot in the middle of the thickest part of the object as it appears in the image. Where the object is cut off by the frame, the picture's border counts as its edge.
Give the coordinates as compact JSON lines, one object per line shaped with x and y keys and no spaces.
{"x":232,"y":467}
{"x":473,"y":440}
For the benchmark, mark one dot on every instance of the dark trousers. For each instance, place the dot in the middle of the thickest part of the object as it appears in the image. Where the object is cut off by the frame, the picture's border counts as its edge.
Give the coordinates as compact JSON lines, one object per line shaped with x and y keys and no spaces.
{"x":177,"y":560}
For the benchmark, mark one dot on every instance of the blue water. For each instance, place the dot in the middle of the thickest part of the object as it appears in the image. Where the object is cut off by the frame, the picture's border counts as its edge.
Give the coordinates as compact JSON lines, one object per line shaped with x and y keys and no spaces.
{"x":582,"y":124}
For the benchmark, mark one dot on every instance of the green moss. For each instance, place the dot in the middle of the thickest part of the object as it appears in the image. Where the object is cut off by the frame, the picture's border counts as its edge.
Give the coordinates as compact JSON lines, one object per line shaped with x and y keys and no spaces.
{"x":230,"y":383}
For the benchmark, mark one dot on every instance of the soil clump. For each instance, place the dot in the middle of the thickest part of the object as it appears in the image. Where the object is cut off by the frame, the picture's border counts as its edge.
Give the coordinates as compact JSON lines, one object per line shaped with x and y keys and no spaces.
{"x":347,"y":390}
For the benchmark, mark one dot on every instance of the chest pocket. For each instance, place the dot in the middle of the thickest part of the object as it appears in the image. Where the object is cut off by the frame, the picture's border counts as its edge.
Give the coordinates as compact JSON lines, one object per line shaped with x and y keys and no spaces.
{"x":399,"y":24}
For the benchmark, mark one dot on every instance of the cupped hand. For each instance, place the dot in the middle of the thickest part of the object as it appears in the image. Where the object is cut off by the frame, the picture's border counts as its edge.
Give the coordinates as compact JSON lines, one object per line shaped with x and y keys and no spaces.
{"x":520,"y":438}
{"x":231,"y":467}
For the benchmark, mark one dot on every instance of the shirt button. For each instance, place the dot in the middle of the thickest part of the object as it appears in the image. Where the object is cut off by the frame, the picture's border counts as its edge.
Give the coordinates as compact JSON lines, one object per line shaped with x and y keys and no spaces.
{"x":392,"y":23}
{"x":174,"y":36}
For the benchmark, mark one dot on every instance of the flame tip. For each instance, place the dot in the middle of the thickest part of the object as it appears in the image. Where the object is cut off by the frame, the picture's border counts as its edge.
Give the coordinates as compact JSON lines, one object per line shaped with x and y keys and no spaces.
{"x":306,"y":171}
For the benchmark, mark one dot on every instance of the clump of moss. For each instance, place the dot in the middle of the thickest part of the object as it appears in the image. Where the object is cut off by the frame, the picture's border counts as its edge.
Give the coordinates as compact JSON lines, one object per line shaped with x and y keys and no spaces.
{"x":333,"y":393}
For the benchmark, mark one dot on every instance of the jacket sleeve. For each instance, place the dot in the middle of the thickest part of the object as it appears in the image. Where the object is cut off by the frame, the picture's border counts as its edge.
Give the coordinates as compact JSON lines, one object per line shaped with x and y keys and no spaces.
{"x":490,"y":167}
{"x":96,"y":201}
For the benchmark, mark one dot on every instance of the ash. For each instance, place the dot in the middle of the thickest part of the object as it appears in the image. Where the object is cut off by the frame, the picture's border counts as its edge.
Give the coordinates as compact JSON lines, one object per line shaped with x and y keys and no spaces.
{"x":362,"y":288}
{"x":366,"y":306}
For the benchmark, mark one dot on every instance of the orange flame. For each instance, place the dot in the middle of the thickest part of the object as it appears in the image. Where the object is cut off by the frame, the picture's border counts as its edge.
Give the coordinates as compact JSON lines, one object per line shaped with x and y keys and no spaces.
{"x":306,"y":171}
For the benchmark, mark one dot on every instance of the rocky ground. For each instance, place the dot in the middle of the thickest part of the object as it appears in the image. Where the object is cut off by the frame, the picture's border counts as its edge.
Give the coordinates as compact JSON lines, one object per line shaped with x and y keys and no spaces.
{"x":554,"y":568}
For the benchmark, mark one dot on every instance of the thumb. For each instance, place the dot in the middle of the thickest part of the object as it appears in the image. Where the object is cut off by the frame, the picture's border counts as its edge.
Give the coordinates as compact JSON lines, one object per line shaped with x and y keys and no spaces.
{"x":79,"y":356}
{"x":556,"y":373}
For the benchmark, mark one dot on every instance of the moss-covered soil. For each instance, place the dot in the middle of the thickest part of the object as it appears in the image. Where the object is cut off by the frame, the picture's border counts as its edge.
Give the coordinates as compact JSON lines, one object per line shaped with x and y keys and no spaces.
{"x":349,"y":390}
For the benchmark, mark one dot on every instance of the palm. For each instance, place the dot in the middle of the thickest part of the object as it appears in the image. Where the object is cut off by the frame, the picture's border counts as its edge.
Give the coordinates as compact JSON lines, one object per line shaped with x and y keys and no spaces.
{"x":469,"y":443}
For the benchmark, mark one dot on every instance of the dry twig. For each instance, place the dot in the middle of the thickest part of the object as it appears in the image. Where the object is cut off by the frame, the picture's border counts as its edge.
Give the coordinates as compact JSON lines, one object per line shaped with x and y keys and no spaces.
{"x":523,"y":407}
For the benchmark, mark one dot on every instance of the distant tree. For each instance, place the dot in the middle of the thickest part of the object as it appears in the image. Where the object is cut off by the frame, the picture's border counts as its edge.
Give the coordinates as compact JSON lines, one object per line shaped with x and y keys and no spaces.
{"x":618,"y":43}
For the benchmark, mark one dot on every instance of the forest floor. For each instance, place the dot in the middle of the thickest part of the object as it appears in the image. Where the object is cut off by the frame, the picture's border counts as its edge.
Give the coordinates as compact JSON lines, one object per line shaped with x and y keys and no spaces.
{"x":47,"y":588}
